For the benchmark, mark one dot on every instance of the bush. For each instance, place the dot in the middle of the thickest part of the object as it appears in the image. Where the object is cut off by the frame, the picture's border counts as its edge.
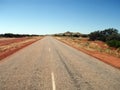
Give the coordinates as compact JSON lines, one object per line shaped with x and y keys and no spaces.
{"x":84,"y":35}
{"x":10,"y":35}
{"x":110,"y":36}
{"x":114,"y":43}
{"x":94,"y":35}
{"x":105,"y":35}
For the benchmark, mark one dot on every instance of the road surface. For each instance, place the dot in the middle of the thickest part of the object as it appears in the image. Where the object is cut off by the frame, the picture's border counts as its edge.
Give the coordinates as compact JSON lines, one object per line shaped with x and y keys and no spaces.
{"x":49,"y":64}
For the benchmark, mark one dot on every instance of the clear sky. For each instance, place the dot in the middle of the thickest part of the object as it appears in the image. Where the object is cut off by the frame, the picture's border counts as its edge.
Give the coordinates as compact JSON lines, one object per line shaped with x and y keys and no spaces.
{"x":56,"y":16}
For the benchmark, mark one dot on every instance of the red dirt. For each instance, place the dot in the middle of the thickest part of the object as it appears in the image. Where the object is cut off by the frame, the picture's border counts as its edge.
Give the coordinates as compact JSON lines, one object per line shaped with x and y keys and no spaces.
{"x":101,"y":44}
{"x":13,"y":50}
{"x":6,"y":42}
{"x":111,"y":60}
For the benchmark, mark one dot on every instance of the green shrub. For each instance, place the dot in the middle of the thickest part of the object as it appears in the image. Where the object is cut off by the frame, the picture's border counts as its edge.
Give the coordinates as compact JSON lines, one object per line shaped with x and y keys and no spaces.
{"x":114,"y":43}
{"x":105,"y":35}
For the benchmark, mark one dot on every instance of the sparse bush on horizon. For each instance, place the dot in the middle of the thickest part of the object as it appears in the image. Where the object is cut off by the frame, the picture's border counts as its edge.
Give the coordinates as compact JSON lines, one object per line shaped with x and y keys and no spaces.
{"x":10,"y":35}
{"x":71,"y":34}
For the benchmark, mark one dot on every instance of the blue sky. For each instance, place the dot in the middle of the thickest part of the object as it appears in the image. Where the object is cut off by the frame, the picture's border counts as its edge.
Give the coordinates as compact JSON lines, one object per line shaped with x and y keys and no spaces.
{"x":56,"y":16}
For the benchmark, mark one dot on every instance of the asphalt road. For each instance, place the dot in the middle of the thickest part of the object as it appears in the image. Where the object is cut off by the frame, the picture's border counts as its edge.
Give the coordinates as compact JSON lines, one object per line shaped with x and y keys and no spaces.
{"x":49,"y":64}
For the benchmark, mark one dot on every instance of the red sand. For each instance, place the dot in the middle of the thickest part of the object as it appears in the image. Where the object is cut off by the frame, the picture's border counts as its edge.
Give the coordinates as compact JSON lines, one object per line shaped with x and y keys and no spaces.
{"x":9,"y":41}
{"x":13,"y":50}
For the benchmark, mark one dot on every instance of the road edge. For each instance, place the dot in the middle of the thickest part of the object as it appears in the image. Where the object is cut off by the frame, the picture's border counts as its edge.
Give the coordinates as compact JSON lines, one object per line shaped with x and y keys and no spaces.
{"x":86,"y":52}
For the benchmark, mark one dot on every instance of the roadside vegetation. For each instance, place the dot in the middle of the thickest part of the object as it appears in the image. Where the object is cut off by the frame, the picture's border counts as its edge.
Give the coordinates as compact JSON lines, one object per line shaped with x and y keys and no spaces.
{"x":102,"y":41}
{"x":11,"y":35}
{"x":71,"y":34}
{"x":109,"y":36}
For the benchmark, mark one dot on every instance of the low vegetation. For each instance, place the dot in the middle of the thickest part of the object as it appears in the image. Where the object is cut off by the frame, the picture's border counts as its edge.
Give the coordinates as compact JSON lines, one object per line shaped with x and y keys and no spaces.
{"x":71,"y":34}
{"x":109,"y":36}
{"x":10,"y":35}
{"x":105,"y":41}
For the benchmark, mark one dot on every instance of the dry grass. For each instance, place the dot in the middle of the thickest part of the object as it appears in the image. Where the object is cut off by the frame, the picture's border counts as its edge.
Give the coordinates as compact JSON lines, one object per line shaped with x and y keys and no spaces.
{"x":9,"y":46}
{"x":96,"y":46}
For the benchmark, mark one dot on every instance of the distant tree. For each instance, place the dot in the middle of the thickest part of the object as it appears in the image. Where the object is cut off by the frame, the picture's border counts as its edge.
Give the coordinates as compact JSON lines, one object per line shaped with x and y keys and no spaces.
{"x":95,"y":35}
{"x":105,"y":35}
{"x":16,"y":35}
{"x":76,"y":34}
{"x":111,"y":36}
{"x":8,"y":35}
{"x":84,"y":35}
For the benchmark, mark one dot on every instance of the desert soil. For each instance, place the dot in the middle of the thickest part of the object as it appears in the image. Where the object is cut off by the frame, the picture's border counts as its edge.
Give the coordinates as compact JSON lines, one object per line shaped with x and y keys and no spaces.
{"x":10,"y":45}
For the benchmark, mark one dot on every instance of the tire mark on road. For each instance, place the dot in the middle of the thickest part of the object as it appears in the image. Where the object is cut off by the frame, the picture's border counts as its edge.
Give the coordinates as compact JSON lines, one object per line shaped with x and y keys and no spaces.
{"x":76,"y":84}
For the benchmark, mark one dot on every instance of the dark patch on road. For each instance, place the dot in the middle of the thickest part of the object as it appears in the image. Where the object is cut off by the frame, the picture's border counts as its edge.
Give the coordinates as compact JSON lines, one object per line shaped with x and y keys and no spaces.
{"x":76,"y":82}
